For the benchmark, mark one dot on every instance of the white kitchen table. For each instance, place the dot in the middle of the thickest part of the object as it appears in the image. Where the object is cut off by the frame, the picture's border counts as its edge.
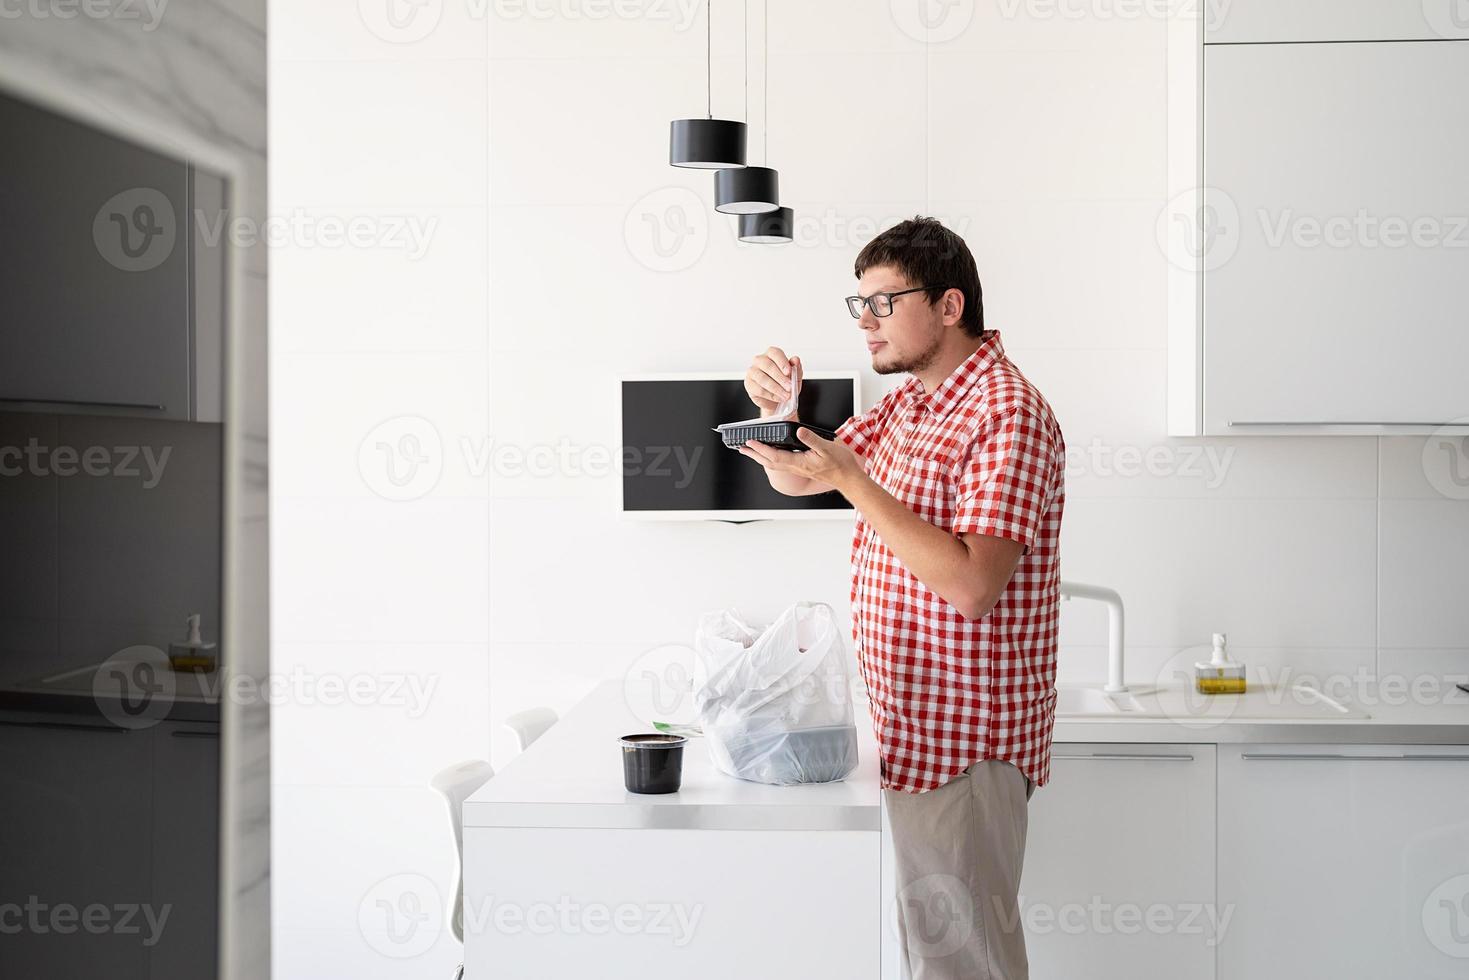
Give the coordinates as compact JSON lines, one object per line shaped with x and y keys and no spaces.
{"x":568,"y":875}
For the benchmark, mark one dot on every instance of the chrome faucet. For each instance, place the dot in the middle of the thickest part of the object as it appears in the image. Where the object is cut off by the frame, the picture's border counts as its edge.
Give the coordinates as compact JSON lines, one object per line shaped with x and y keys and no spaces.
{"x":1113,"y":602}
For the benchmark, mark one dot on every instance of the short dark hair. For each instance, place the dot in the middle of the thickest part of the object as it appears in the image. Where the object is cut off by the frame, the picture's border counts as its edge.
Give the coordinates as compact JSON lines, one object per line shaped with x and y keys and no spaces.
{"x":929,"y":254}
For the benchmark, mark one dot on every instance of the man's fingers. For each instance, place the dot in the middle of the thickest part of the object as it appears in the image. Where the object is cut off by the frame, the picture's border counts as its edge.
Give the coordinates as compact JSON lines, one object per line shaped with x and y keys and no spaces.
{"x":767,"y":368}
{"x":779,"y":359}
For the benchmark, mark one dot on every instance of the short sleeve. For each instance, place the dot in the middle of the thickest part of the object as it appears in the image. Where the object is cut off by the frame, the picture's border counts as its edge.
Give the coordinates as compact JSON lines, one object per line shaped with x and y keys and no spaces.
{"x":860,"y":432}
{"x":1007,"y":481}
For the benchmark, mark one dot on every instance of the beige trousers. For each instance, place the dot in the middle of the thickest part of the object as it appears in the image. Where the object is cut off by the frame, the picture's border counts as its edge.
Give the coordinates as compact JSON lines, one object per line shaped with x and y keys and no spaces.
{"x":959,"y":850}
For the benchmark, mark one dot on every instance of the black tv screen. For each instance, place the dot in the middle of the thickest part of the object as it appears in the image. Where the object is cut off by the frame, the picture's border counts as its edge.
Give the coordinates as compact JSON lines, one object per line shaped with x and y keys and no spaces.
{"x":674,"y":463}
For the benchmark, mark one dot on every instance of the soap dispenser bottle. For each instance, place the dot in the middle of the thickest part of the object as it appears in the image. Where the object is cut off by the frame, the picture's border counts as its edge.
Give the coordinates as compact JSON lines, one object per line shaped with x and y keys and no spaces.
{"x":193,"y":653}
{"x":1219,"y":675}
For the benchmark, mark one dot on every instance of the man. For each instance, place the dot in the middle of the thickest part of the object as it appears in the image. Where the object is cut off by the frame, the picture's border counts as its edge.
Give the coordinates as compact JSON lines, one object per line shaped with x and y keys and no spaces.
{"x":957,"y":479}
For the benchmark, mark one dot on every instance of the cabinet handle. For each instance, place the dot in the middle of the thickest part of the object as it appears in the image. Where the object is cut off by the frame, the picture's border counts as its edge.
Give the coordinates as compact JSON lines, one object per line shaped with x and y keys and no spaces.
{"x":194,"y":734}
{"x":1413,"y":425}
{"x":1127,"y":757}
{"x":83,"y":403}
{"x":1328,"y":757}
{"x":69,"y":725}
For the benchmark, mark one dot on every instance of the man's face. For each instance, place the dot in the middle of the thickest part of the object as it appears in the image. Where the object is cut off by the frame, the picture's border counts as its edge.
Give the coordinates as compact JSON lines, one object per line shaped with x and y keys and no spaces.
{"x":910,"y":338}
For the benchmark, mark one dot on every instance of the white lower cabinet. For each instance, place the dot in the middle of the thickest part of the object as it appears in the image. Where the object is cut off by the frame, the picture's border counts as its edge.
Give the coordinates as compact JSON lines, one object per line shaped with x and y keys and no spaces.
{"x":1119,"y":865}
{"x":1344,"y":862}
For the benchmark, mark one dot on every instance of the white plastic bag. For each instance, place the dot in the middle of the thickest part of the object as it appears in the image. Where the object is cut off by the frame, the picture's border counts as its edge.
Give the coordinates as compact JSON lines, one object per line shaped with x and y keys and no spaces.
{"x":774,"y":704}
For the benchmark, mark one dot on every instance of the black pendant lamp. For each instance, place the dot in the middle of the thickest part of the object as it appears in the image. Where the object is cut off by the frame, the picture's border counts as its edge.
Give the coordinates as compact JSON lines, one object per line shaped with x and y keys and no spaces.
{"x":769,"y":228}
{"x":707,"y":144}
{"x":754,"y":192}
{"x":749,"y":190}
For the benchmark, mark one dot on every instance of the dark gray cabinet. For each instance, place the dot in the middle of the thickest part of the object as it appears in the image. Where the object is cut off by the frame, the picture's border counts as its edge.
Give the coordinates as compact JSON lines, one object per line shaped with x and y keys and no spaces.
{"x":110,"y":273}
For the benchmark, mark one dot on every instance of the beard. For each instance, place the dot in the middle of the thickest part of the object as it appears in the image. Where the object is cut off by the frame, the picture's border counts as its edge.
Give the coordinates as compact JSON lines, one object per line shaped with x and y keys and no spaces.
{"x":911,"y":364}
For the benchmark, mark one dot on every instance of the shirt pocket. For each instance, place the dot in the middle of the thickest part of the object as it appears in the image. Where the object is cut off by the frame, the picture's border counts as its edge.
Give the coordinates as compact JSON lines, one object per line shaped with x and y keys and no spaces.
{"x":926,"y":485}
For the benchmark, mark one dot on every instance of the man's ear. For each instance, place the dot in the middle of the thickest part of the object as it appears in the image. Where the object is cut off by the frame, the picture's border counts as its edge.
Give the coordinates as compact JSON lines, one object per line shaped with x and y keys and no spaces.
{"x":953,"y":309}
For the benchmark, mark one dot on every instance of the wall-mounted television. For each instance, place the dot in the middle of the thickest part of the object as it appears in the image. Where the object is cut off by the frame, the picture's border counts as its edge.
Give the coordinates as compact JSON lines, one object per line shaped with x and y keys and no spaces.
{"x":674,"y":466}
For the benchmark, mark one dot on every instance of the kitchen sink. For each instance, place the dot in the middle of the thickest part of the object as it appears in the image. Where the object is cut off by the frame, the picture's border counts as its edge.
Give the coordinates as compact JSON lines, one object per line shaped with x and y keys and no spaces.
{"x":1285,"y":703}
{"x":1083,"y":702}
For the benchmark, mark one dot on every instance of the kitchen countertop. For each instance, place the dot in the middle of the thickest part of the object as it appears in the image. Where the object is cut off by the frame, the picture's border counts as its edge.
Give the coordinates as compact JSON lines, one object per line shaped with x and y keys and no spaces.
{"x":572,"y":777}
{"x":1181,"y":717}
{"x":181,"y":695}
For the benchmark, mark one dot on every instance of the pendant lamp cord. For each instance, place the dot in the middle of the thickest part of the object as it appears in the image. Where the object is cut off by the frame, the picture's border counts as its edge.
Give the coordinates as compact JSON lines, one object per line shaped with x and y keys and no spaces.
{"x":765,"y":85}
{"x":709,"y":59}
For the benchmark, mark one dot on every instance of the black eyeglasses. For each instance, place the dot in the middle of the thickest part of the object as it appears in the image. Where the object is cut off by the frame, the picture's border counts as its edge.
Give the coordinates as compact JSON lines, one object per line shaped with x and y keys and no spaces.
{"x":881,"y":304}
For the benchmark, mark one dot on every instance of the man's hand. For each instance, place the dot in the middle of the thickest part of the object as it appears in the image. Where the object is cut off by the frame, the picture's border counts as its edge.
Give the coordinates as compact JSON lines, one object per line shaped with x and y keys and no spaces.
{"x":768,"y":382}
{"x":825,"y":461}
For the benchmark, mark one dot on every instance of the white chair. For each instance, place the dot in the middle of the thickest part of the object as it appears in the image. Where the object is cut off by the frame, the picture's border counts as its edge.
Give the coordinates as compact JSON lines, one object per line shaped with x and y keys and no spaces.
{"x":528,"y":725}
{"x":456,"y":784}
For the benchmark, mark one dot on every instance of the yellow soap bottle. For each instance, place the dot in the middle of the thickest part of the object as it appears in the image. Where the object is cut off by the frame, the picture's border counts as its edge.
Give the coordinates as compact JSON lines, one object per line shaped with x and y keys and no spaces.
{"x":1219,"y":675}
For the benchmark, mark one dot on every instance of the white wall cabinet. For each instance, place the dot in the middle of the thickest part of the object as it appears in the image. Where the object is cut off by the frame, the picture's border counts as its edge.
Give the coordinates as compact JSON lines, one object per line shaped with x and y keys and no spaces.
{"x":1344,"y":862}
{"x":1324,"y":285}
{"x":1119,"y":865}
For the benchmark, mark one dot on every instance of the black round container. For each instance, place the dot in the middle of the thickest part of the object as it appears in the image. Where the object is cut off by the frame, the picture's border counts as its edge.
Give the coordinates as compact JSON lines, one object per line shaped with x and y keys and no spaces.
{"x":652,"y":763}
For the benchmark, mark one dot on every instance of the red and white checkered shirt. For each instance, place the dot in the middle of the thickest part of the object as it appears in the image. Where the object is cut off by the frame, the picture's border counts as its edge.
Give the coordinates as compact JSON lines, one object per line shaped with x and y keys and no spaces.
{"x":982,"y":453}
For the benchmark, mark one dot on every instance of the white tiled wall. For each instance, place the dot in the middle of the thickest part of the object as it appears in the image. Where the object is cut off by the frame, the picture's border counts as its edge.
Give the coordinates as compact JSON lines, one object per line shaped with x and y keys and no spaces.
{"x":536,"y":134}
{"x":1036,"y":129}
